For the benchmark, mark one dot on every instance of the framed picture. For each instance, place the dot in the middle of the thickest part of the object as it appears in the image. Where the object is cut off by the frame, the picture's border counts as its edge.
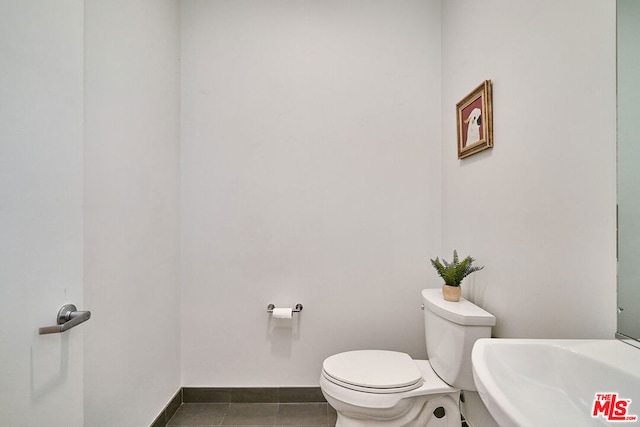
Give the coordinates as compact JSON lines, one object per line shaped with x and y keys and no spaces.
{"x":475,"y":121}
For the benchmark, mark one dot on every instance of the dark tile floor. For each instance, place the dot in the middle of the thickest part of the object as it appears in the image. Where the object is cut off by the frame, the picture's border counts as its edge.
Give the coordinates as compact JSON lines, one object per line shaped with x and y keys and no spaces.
{"x":253,"y":414}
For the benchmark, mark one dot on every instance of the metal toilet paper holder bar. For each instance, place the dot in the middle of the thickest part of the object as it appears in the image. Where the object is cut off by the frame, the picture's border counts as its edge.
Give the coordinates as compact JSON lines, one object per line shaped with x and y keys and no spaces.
{"x":296,"y":309}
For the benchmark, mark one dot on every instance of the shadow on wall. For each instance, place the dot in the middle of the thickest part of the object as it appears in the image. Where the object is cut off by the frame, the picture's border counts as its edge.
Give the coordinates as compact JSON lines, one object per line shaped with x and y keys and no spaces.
{"x":283,"y":329}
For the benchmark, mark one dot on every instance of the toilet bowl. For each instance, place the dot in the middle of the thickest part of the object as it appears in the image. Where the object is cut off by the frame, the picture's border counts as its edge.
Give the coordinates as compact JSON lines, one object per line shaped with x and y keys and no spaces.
{"x":404,"y":392}
{"x":388,"y":388}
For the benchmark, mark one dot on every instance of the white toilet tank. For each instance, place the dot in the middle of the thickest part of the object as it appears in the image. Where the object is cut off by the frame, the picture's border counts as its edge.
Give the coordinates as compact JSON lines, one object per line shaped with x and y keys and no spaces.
{"x":451,"y":329}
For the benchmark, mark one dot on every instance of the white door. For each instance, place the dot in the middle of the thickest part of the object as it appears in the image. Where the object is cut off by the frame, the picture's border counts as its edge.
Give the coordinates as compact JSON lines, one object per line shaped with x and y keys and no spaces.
{"x":41,"y":185}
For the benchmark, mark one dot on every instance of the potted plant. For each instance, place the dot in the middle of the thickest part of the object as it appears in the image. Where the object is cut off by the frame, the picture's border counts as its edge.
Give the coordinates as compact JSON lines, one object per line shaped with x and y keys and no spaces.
{"x":453,"y":272}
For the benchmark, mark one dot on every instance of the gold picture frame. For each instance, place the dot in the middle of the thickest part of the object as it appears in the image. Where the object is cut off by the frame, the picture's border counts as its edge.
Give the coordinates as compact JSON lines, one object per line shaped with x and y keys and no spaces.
{"x":475,"y":121}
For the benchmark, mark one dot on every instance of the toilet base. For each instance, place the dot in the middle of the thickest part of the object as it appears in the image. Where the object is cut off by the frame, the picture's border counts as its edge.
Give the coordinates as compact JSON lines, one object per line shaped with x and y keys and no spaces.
{"x":419,"y":414}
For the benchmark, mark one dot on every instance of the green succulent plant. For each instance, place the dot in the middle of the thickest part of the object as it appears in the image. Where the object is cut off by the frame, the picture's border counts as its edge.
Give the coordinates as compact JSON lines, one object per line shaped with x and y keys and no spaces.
{"x":453,"y":272}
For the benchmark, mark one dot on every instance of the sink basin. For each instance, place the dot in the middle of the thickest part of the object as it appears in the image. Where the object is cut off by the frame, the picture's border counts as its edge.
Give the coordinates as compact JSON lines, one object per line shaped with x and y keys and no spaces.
{"x":531,"y":382}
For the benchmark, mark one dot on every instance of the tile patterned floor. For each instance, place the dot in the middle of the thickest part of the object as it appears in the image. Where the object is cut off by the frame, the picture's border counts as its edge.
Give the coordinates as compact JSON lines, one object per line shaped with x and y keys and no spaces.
{"x":253,"y":414}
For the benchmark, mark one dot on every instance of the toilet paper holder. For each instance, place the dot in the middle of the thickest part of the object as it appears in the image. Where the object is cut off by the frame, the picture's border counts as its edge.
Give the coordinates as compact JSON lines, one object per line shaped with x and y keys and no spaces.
{"x":296,"y":309}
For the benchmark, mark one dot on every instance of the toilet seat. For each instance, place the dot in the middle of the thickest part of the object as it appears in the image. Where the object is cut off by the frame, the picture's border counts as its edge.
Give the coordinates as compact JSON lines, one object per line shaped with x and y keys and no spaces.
{"x":345,"y":397}
{"x":373,"y":371}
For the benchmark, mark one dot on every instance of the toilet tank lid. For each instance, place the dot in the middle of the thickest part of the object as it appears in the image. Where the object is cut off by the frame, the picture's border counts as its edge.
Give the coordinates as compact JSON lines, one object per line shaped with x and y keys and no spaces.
{"x":463,"y":312}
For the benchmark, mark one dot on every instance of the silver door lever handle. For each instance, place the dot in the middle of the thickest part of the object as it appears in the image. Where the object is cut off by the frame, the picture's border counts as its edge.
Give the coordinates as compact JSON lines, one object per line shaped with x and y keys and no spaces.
{"x":68,"y":317}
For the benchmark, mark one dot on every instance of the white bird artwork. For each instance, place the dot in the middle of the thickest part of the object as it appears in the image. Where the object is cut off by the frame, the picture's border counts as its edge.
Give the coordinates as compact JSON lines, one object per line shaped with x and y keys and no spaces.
{"x":473,"y":127}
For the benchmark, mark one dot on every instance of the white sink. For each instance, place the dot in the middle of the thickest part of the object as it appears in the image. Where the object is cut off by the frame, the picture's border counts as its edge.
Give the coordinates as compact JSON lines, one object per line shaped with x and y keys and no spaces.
{"x":540,"y":383}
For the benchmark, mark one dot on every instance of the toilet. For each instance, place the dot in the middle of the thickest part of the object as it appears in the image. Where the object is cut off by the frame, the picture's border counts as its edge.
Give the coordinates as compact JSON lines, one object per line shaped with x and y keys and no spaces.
{"x":388,"y":388}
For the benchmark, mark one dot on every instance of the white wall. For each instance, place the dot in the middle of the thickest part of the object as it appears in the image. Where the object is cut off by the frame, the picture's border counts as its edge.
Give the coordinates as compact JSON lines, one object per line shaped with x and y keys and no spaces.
{"x":539,"y":209}
{"x":40,"y":211}
{"x":131,"y":210}
{"x":310,"y":173}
